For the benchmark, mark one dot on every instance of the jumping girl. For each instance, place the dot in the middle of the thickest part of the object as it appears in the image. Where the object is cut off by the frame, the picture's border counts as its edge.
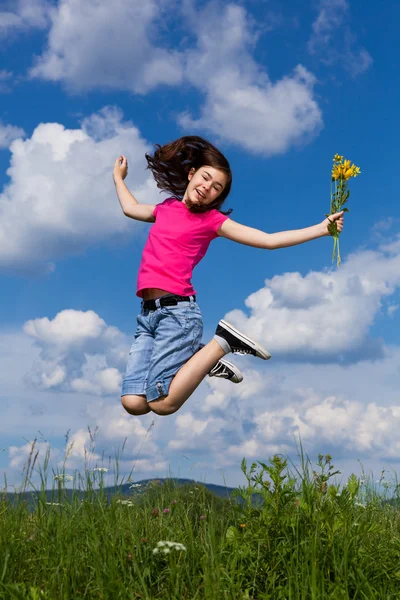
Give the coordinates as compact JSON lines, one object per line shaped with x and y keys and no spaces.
{"x":167,"y":360}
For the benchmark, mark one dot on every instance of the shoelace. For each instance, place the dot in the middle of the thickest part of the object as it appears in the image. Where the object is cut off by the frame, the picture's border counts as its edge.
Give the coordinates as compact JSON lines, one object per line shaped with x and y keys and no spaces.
{"x":241,"y":350}
{"x":221,"y":372}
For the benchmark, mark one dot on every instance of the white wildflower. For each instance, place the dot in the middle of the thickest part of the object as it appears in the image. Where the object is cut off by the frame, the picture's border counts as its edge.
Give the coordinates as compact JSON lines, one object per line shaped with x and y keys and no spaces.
{"x":166,"y":547}
{"x":125,"y":502}
{"x":53,"y":503}
{"x":63,"y":477}
{"x":134,"y":485}
{"x":180,"y":547}
{"x":100,"y":470}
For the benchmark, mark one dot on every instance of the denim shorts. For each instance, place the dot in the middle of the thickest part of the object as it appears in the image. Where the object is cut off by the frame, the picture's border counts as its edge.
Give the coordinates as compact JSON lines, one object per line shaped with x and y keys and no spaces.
{"x":165,"y":339}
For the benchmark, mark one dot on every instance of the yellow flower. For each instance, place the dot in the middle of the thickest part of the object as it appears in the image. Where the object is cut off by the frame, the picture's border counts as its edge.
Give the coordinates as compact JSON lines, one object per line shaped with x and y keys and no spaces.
{"x":337,"y":172}
{"x":242,"y":525}
{"x":345,"y":169}
{"x":342,"y":170}
{"x":346,"y":165}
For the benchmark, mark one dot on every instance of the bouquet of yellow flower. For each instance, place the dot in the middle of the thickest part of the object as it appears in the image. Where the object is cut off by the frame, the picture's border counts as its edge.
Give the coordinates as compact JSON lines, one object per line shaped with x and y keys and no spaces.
{"x":342,"y":170}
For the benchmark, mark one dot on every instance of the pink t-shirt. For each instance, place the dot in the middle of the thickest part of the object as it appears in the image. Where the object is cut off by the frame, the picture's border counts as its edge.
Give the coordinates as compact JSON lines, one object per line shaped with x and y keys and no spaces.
{"x":177,"y":242}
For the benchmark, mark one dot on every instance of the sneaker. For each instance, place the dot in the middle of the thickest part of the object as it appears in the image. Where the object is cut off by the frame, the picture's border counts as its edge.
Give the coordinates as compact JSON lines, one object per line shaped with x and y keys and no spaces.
{"x":226,"y":370}
{"x":238,"y":342}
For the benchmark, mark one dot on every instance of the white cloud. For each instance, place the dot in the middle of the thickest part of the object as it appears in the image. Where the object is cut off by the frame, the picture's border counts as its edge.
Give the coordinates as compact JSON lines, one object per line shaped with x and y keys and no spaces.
{"x":117,"y":425}
{"x":24,"y":14}
{"x":189,"y":427}
{"x":8,"y":133}
{"x":94,"y":44}
{"x":54,"y":378}
{"x":111,"y":430}
{"x":145,"y":468}
{"x":252,"y":449}
{"x":196,"y":433}
{"x":80,"y":449}
{"x":61,"y":182}
{"x":45,"y":413}
{"x":348,"y":410}
{"x":78,"y":352}
{"x":322,"y":315}
{"x":104,"y":381}
{"x":32,"y":454}
{"x":333,"y":41}
{"x":355,"y":426}
{"x":392,"y":246}
{"x":85,"y":447}
{"x":218,"y":397}
{"x":5,"y":80}
{"x":68,"y":328}
{"x":118,"y":46}
{"x":242,"y":105}
{"x":330,"y":17}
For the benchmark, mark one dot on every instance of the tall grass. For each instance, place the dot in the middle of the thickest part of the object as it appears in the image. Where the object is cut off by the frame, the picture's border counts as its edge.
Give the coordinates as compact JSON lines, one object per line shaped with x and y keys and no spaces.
{"x":288,"y":533}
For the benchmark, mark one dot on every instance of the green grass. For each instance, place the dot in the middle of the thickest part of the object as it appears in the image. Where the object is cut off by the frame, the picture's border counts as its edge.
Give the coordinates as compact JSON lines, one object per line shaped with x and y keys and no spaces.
{"x":293,"y":535}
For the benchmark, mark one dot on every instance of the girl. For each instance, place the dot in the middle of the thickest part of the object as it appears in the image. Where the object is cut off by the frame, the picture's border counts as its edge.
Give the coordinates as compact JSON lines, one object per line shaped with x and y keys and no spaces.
{"x":167,"y":360}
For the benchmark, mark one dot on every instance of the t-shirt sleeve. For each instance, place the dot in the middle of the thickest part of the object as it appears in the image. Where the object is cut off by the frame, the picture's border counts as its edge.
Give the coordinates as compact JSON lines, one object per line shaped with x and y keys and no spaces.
{"x":216,"y":220}
{"x":166,"y":202}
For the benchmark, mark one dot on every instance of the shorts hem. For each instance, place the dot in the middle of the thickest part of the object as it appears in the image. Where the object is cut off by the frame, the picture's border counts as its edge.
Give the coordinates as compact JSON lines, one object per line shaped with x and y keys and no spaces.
{"x":132,"y":389}
{"x":160,"y":388}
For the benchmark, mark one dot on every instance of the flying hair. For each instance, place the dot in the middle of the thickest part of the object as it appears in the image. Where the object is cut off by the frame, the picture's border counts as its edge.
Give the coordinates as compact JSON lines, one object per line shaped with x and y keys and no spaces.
{"x":171,"y":163}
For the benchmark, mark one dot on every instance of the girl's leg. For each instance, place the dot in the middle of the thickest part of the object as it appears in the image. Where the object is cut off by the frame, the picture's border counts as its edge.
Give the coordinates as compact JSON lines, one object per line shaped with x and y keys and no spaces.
{"x":133,"y":395}
{"x":135,"y":405}
{"x":134,"y":398}
{"x":192,"y":373}
{"x":187,"y":379}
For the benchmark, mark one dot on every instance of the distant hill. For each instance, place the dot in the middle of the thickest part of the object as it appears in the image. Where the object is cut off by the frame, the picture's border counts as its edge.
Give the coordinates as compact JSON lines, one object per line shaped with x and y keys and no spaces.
{"x":127,"y":489}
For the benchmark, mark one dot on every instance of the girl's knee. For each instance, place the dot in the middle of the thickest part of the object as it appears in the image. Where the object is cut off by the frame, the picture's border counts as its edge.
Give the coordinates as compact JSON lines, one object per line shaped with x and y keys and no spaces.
{"x":135,"y":405}
{"x":163,"y":406}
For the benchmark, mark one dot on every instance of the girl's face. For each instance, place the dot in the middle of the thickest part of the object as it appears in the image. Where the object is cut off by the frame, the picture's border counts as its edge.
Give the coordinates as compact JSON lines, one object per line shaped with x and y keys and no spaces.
{"x":205,"y":185}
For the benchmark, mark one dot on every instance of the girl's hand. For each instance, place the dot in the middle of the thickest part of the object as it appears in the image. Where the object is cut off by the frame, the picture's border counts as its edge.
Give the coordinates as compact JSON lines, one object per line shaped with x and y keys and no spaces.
{"x":120,"y":168}
{"x":338,"y":217}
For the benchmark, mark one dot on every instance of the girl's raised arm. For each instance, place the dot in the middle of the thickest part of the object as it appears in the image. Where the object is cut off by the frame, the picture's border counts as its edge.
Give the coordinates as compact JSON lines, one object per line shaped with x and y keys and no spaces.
{"x":130,"y":206}
{"x":270,"y":241}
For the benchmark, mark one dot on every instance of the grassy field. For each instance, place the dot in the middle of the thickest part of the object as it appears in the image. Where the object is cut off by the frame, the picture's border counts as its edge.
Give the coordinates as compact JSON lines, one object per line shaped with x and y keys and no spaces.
{"x":289,"y":534}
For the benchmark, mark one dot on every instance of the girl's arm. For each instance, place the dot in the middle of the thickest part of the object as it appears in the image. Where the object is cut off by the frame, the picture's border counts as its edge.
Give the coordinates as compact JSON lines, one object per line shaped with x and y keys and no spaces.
{"x":130,"y":206}
{"x":270,"y":241}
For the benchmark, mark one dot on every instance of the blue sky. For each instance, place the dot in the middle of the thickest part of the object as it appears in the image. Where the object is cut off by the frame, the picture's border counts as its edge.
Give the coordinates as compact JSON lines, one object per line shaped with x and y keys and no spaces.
{"x":280,"y":88}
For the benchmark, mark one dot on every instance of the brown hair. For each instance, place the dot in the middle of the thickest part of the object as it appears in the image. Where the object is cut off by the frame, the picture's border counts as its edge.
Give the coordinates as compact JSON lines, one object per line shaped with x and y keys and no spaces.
{"x":171,"y":163}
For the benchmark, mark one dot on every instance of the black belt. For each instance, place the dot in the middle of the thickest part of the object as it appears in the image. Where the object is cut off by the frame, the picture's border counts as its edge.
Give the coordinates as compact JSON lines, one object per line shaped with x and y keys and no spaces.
{"x":170,"y":300}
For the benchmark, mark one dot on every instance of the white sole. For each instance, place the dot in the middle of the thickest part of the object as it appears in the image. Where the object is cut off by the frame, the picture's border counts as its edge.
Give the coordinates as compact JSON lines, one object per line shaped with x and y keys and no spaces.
{"x":238,"y":374}
{"x":260,"y":351}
